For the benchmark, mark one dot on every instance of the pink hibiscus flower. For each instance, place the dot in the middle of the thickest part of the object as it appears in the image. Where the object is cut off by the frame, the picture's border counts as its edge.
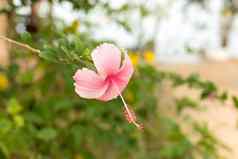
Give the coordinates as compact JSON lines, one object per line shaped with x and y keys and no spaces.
{"x":109,"y":81}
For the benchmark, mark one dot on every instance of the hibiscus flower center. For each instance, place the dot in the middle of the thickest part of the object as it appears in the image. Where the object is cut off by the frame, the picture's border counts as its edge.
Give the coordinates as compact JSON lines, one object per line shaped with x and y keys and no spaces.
{"x":110,"y":78}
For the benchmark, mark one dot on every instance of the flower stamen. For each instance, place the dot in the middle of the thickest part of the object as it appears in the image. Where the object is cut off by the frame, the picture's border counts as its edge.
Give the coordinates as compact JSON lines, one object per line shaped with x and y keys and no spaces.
{"x":129,"y":114}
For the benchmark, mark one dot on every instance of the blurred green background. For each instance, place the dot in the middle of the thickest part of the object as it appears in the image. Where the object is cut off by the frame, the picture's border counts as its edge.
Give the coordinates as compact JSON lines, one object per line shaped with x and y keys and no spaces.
{"x":41,"y":117}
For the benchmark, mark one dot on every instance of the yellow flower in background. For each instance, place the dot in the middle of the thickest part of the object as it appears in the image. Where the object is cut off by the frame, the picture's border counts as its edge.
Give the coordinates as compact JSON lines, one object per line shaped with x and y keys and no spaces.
{"x":149,"y":56}
{"x":73,"y":27}
{"x":4,"y":83}
{"x":227,"y":12}
{"x":78,"y":156}
{"x":134,"y":58}
{"x":75,"y":24}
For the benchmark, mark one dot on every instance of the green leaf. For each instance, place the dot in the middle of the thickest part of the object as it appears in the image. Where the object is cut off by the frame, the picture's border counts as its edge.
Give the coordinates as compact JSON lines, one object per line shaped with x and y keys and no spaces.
{"x":209,"y":88}
{"x":223,"y":97}
{"x":13,"y":106}
{"x":5,"y":126}
{"x":3,"y":151}
{"x":144,"y":11}
{"x":19,"y":120}
{"x":235,"y":101}
{"x":26,"y":77}
{"x":47,"y":134}
{"x":184,"y":103}
{"x":70,"y":50}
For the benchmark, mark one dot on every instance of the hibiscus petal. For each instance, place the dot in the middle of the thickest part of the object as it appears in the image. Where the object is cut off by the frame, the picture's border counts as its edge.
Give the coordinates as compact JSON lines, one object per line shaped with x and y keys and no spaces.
{"x":119,"y":81}
{"x":107,"y":59}
{"x":123,"y":76}
{"x":88,"y":84}
{"x":110,"y":93}
{"x":89,"y":93}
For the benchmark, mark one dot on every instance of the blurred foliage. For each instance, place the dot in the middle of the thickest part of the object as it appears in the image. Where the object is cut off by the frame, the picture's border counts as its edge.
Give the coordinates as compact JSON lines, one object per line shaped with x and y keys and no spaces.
{"x":41,"y":117}
{"x":202,"y":3}
{"x":37,"y":122}
{"x":185,"y":102}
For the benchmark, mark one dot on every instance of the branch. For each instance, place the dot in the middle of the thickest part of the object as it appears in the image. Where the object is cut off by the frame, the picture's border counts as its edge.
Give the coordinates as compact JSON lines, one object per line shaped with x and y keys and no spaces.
{"x":20,"y":44}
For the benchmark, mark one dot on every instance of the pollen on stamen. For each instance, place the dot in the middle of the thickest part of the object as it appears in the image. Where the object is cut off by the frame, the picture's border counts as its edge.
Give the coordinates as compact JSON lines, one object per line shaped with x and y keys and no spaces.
{"x":131,"y":118}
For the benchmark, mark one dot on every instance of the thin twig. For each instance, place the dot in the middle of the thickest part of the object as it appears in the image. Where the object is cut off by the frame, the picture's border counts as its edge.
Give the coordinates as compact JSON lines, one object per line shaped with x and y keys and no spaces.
{"x":20,"y":44}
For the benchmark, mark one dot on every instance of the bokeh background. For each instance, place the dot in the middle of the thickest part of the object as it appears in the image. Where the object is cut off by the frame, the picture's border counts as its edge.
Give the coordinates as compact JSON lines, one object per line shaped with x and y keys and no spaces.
{"x":184,"y":89}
